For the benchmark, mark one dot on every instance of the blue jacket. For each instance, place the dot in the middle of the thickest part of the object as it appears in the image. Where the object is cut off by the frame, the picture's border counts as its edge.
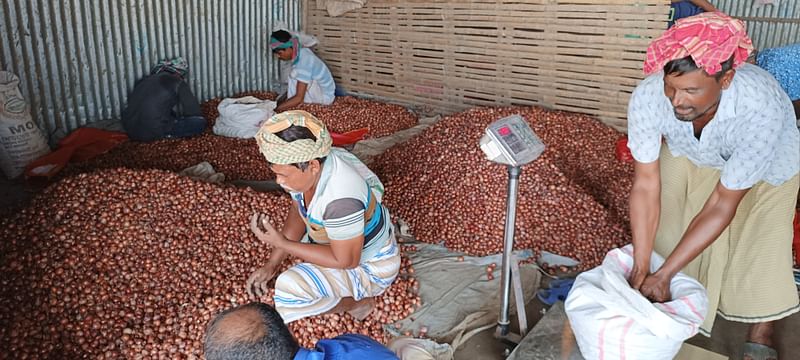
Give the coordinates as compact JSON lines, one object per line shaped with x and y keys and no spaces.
{"x":346,"y":347}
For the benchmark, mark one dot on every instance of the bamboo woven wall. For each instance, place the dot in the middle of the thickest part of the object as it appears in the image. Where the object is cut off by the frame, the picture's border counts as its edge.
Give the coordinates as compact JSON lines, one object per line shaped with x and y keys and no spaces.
{"x":577,"y":55}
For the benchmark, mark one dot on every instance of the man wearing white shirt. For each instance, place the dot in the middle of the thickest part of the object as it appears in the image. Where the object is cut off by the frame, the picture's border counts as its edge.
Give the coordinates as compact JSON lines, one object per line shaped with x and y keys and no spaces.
{"x":310,"y":80}
{"x":717,"y":201}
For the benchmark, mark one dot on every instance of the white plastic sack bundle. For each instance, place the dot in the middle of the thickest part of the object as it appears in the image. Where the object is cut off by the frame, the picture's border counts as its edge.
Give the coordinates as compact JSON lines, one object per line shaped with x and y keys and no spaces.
{"x":611,"y":320}
{"x":241,"y":117}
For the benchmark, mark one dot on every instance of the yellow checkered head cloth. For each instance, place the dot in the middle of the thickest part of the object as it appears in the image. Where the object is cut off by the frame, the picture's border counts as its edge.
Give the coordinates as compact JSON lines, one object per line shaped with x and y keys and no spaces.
{"x":278,"y":151}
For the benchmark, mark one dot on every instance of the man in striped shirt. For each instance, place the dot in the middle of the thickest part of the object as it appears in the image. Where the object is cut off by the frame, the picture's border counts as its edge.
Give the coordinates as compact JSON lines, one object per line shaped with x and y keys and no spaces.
{"x":337,"y":225}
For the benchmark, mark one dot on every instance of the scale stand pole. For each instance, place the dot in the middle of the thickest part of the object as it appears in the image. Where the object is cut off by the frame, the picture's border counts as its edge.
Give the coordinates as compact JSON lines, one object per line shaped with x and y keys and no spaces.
{"x":508,"y":247}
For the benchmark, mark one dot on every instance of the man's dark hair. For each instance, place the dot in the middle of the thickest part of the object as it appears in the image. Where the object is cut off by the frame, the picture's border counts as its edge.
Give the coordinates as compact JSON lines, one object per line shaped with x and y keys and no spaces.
{"x":684,"y":65}
{"x":251,"y":331}
{"x":295,"y":132}
{"x":282,"y":35}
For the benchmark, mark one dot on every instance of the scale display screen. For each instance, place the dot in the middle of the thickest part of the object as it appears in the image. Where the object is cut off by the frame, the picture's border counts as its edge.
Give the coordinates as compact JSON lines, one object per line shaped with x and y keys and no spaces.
{"x":514,"y":143}
{"x":511,"y":141}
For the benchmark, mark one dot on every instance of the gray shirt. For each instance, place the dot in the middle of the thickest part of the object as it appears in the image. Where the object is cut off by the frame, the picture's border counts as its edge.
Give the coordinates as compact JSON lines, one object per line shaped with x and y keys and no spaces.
{"x":752,"y":137}
{"x":156,"y":103}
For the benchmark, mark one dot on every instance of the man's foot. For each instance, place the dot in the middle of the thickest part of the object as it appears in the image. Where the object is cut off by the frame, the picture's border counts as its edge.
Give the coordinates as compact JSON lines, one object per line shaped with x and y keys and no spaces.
{"x":759,"y":342}
{"x":761,"y":333}
{"x":362,"y":309}
{"x":753,"y":351}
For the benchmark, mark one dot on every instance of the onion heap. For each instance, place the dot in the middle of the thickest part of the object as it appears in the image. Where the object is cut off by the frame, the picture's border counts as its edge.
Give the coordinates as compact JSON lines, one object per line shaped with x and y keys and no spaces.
{"x":572,"y":200}
{"x":129,"y":263}
{"x":350,"y":113}
{"x":236,"y":158}
{"x":239,"y":159}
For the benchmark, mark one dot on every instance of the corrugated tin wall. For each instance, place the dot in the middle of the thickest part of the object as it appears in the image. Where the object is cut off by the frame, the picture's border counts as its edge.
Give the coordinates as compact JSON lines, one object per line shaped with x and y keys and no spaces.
{"x":769,"y":26}
{"x":78,"y":59}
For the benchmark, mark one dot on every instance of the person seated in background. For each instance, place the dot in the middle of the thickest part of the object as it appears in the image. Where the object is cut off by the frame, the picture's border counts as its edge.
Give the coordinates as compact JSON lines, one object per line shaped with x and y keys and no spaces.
{"x":680,"y":9}
{"x":162,"y":105}
{"x":337,"y":224}
{"x":784,"y":64}
{"x":310,"y":81}
{"x":256,"y":331}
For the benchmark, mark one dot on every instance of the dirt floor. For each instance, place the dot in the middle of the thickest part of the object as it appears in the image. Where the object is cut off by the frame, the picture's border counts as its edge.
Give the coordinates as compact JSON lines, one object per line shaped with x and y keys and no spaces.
{"x":726,"y":339}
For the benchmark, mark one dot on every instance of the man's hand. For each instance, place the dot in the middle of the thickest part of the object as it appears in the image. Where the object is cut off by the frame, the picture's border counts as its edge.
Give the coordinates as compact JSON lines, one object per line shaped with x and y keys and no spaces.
{"x":264,"y":231}
{"x":656,"y":288}
{"x":257,"y":282}
{"x":638,"y":274}
{"x":297,"y":99}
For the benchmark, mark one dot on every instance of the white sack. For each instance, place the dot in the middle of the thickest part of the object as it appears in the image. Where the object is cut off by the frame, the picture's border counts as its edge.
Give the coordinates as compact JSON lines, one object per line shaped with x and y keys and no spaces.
{"x":21,"y":141}
{"x":611,"y":320}
{"x":241,"y":117}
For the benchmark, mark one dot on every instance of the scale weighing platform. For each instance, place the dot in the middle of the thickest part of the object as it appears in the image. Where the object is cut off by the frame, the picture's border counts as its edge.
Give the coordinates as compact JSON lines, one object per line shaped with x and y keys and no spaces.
{"x":511,"y":141}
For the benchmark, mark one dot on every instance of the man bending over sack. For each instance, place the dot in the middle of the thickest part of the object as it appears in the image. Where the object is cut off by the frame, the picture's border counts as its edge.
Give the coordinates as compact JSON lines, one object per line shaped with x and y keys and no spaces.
{"x":717,"y":201}
{"x":162,"y":105}
{"x":348,"y":242}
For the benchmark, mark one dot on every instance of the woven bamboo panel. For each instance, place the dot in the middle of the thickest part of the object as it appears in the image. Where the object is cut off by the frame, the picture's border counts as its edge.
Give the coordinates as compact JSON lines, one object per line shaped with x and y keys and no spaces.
{"x":576,"y":55}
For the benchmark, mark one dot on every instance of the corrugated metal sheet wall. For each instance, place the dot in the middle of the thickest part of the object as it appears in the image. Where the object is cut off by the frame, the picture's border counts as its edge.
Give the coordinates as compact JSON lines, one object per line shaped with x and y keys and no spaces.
{"x":78,"y":59}
{"x":769,"y":26}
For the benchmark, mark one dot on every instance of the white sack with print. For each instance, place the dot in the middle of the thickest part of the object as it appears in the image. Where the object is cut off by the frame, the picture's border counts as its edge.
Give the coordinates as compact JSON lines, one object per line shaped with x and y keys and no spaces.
{"x":611,"y":320}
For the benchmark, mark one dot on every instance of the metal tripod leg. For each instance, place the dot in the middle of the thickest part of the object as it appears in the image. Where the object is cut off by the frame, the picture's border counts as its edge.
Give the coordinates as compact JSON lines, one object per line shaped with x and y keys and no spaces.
{"x":522,"y":316}
{"x":509,"y":262}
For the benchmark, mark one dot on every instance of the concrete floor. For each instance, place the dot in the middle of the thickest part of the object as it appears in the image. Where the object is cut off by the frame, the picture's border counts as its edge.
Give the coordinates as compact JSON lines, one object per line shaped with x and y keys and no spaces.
{"x":727,"y":337}
{"x":484,"y":345}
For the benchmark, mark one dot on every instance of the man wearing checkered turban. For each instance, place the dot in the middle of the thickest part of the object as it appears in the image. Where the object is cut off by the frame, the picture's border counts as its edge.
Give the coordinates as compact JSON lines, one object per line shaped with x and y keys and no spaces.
{"x":337,"y":226}
{"x":718,"y":200}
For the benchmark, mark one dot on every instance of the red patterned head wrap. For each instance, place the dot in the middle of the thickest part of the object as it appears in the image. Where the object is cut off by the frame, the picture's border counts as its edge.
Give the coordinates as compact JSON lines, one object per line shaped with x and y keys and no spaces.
{"x":709,"y":38}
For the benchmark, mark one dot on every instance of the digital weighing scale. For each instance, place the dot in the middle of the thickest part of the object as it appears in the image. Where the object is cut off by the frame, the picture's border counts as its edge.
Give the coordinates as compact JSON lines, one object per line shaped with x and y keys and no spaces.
{"x":511,"y":141}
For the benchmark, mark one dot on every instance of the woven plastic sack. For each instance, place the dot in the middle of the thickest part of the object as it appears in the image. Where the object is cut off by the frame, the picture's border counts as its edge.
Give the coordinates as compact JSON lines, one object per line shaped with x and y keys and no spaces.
{"x":611,"y":320}
{"x":241,"y":117}
{"x":21,"y":141}
{"x":784,"y":64}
